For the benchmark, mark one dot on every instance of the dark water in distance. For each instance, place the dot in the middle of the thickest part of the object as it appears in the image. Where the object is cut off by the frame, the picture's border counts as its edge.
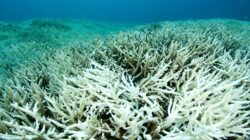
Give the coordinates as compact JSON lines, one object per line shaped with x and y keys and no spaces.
{"x":125,"y":10}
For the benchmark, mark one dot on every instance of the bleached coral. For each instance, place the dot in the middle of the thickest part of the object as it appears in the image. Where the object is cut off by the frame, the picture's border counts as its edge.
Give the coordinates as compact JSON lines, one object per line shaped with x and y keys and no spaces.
{"x":147,"y":84}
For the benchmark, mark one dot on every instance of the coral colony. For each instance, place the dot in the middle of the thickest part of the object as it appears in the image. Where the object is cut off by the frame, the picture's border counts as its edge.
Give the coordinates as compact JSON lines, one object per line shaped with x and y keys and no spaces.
{"x":171,"y":81}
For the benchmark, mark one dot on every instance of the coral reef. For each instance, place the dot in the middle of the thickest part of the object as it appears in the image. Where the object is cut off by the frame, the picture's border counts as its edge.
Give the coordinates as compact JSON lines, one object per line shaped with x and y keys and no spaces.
{"x":179,"y":80}
{"x":21,"y":42}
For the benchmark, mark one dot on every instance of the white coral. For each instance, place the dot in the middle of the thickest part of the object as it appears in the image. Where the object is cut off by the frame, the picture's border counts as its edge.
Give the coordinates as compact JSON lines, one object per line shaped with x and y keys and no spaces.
{"x":151,"y":84}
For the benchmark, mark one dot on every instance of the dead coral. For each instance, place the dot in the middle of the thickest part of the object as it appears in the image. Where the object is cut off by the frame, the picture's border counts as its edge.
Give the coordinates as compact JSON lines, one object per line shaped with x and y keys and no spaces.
{"x":148,"y":84}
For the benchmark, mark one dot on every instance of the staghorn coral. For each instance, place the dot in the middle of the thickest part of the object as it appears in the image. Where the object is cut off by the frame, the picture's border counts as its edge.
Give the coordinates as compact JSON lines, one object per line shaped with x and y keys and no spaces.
{"x":154,"y":83}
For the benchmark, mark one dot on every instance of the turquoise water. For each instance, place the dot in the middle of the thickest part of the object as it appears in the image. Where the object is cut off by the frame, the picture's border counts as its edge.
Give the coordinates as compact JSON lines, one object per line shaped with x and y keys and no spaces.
{"x":139,"y":11}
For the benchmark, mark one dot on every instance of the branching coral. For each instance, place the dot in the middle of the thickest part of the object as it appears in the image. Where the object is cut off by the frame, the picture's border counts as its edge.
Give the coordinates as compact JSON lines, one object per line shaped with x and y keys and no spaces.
{"x":148,"y":84}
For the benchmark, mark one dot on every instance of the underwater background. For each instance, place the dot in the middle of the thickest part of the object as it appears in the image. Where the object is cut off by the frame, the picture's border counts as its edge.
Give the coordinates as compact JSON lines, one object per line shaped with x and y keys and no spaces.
{"x":125,"y":69}
{"x":138,"y":11}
